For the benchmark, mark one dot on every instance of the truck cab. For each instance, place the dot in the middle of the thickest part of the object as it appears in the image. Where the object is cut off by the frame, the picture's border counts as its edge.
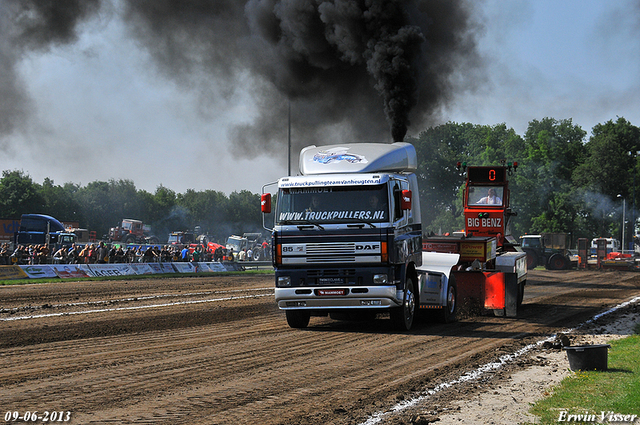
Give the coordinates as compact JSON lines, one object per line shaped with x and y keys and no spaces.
{"x":38,"y":229}
{"x":612,"y":245}
{"x":181,"y":238}
{"x":347,"y":234}
{"x":131,"y":231}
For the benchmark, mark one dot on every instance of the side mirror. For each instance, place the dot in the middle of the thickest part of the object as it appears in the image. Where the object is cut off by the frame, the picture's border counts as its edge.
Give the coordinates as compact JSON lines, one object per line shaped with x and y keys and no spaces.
{"x":265,"y":203}
{"x":405,"y":203}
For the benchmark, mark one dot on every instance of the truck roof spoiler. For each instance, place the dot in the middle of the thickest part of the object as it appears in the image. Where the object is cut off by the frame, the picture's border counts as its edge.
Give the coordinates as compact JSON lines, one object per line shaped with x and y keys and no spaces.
{"x":358,"y":158}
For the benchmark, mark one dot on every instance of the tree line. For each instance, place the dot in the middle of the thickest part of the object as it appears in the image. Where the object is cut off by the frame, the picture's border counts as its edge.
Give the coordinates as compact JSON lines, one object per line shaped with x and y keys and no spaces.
{"x":565,"y":182}
{"x":101,"y":205}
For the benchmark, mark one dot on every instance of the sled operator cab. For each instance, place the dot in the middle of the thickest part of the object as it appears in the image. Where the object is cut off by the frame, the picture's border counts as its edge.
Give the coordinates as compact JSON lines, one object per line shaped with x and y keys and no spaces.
{"x":486,"y":203}
{"x":492,"y":268}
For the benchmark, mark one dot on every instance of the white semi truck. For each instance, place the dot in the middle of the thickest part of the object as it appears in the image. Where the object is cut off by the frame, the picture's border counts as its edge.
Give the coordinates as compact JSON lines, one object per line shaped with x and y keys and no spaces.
{"x":347,"y":238}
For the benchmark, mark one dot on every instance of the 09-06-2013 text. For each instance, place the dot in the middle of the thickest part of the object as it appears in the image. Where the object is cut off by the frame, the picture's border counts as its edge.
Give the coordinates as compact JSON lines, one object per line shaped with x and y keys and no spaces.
{"x":35,"y":416}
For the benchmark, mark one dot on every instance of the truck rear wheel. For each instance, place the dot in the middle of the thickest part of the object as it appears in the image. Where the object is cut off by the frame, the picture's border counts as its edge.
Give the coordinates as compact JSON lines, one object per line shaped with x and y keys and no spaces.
{"x":557,"y":262}
{"x":448,"y":314}
{"x":298,"y":319}
{"x":257,"y":254}
{"x":532,"y":260}
{"x":402,"y":317}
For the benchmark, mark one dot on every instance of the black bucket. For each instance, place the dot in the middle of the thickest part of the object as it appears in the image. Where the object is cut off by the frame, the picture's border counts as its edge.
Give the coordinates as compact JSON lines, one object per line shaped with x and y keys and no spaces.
{"x":588,"y":357}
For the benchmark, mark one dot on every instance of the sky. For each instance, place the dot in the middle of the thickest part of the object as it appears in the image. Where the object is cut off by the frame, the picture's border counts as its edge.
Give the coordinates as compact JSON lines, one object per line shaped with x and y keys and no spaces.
{"x":106,"y":103}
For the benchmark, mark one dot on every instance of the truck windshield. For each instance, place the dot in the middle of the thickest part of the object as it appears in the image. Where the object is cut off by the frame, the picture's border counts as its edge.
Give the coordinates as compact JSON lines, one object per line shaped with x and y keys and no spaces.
{"x":235,"y":244}
{"x":485,"y":195}
{"x":347,"y":204}
{"x":531,"y":242}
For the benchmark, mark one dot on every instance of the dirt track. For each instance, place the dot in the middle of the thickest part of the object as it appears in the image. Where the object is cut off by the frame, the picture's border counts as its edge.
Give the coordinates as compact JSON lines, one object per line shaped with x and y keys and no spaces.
{"x":215,"y":350}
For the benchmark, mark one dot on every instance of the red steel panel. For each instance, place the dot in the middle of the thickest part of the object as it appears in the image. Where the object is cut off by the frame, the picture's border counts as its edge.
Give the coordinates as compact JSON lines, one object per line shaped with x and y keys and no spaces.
{"x":486,"y":289}
{"x":494,"y":291}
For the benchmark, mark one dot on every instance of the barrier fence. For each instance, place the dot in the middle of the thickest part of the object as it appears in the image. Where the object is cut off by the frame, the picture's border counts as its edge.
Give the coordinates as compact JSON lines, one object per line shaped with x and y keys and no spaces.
{"x":65,"y":271}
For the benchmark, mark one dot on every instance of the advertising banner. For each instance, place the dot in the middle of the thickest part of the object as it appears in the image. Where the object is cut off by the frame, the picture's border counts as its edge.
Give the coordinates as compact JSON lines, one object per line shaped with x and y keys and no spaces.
{"x":184,"y":267}
{"x":66,"y":271}
{"x":201,"y":268}
{"x":156,"y":268}
{"x":216,"y":267}
{"x":141,"y":268}
{"x":103,"y":270}
{"x":168,"y":268}
{"x":38,"y":271}
{"x":85,"y":268}
{"x":12,"y":272}
{"x":7,"y":229}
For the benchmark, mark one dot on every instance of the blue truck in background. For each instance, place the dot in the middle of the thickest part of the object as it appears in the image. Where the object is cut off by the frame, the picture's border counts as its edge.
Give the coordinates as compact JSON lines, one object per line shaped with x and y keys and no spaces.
{"x":38,"y":229}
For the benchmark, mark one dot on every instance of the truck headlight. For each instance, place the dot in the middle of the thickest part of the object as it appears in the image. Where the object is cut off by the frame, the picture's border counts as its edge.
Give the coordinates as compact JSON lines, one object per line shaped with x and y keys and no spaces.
{"x":380,"y":279}
{"x":284,"y":281}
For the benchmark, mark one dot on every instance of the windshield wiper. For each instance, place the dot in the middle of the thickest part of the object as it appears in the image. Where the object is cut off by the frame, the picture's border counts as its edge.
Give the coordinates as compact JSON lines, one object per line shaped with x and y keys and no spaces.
{"x":308,"y":223}
{"x":360,"y":223}
{"x":301,"y":223}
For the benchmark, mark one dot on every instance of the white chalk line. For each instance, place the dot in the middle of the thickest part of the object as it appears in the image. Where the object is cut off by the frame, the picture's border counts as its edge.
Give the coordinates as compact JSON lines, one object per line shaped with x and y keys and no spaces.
{"x":488,"y":367}
{"x":102,"y":310}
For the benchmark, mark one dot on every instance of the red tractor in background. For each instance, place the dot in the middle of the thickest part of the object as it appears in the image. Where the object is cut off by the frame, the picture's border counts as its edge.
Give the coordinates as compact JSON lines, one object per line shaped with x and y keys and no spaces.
{"x":213,"y":250}
{"x":131,"y":231}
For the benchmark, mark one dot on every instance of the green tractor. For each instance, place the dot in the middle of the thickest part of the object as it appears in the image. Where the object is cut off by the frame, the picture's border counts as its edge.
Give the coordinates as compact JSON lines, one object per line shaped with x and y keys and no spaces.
{"x":547,"y":249}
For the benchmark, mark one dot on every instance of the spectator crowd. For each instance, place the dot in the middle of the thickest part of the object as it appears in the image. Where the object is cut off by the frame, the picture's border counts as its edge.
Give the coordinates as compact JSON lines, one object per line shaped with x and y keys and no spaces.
{"x":101,"y":253}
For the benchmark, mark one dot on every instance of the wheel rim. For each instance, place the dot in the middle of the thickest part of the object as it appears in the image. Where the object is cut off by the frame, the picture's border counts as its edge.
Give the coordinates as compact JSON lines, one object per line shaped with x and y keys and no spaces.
{"x":451,"y":299}
{"x":409,"y":305}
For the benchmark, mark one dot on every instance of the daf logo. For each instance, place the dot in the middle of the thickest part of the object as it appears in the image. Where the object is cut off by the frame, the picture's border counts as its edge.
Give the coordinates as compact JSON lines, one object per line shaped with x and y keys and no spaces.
{"x":368,"y":247}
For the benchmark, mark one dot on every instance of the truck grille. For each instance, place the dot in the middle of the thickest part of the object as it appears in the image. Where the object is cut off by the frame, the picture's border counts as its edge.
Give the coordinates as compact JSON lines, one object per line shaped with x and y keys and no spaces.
{"x":331,"y":248}
{"x":331,"y":273}
{"x":327,"y":259}
{"x":330,"y":252}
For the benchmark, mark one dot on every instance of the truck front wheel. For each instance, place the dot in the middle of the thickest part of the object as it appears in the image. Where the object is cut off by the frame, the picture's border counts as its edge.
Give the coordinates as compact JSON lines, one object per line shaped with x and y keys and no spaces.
{"x":402,"y":317}
{"x":298,"y":319}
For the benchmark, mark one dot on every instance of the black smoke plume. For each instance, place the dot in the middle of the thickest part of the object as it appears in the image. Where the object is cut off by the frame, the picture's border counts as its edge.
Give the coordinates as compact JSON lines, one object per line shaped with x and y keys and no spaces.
{"x":32,"y":25}
{"x":351,"y":70}
{"x":345,"y":65}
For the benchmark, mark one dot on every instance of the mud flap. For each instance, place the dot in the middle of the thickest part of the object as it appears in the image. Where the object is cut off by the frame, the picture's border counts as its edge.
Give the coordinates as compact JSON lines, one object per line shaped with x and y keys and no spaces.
{"x":511,"y":294}
{"x":470,"y":286}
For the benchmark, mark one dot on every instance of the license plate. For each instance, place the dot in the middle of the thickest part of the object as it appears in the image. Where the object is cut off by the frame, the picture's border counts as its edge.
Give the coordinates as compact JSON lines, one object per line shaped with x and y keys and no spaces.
{"x":331,"y":292}
{"x":330,"y":281}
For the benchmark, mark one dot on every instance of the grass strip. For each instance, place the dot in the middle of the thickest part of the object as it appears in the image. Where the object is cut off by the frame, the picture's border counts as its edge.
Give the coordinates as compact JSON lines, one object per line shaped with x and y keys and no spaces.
{"x":594,"y":396}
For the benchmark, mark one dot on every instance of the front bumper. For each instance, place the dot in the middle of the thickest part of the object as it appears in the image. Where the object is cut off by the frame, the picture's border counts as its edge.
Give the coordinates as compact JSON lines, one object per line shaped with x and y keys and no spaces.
{"x":338,"y":297}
